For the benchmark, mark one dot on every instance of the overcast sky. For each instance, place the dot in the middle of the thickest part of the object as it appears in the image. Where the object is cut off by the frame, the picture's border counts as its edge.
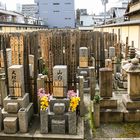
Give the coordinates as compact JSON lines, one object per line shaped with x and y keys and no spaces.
{"x":93,"y":6}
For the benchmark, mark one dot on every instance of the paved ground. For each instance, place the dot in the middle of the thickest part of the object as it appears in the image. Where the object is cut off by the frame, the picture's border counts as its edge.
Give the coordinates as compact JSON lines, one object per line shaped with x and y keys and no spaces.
{"x":117,"y":131}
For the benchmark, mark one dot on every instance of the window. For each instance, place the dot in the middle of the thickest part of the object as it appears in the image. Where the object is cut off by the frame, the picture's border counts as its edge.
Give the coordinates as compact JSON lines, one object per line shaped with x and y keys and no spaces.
{"x":67,"y":18}
{"x":56,"y":11}
{"x":68,"y":3}
{"x":56,"y":3}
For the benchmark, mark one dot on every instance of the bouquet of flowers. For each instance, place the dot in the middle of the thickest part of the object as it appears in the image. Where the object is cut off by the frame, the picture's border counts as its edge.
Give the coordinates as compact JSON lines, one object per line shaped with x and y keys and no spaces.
{"x":74,"y":100}
{"x":44,"y":99}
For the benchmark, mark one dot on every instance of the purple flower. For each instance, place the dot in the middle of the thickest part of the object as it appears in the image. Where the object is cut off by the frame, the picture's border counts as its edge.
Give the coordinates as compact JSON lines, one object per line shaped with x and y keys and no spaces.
{"x":71,"y":94}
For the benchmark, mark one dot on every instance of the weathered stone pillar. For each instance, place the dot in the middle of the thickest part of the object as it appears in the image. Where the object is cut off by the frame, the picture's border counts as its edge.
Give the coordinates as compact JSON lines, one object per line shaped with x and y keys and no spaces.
{"x":0,"y":120}
{"x":81,"y":93}
{"x":97,"y":114}
{"x":72,"y":123}
{"x":3,"y":89}
{"x":40,"y":82}
{"x":105,"y":82}
{"x":23,"y":120}
{"x":92,"y":82}
{"x":43,"y":121}
{"x":111,"y":52}
{"x":134,"y":80}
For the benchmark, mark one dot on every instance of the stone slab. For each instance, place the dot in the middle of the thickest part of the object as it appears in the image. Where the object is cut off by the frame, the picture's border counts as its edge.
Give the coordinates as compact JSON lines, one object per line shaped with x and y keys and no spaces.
{"x":12,"y":107}
{"x":6,"y":114}
{"x":16,"y":80}
{"x":44,"y":122}
{"x":23,"y":102}
{"x":23,"y":120}
{"x":130,"y":104}
{"x":59,"y":108}
{"x":58,"y":126}
{"x":132,"y":116}
{"x":111,"y":116}
{"x":10,"y":125}
{"x":60,"y":73}
{"x":108,"y":103}
{"x":79,"y":70}
{"x":34,"y":133}
{"x":1,"y":119}
{"x":72,"y":129}
{"x":30,"y":111}
{"x":65,"y":101}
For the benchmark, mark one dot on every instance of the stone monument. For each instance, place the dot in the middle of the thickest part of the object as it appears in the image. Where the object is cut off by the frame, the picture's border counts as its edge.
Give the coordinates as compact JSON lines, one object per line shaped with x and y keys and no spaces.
{"x":17,"y":111}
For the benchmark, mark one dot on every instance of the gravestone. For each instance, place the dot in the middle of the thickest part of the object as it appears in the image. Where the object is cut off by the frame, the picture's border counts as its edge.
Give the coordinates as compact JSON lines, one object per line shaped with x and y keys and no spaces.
{"x":60,"y":81}
{"x":16,"y":80}
{"x":83,"y":57}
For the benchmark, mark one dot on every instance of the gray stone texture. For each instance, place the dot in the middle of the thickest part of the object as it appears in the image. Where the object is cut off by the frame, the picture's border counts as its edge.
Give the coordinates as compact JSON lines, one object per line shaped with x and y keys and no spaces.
{"x":92,"y":82}
{"x":1,"y":119}
{"x":23,"y":102}
{"x":6,"y":114}
{"x":132,"y":116}
{"x":23,"y":120}
{"x":43,"y":121}
{"x":65,"y":101}
{"x":96,"y":114}
{"x":12,"y":107}
{"x":79,"y":70}
{"x":72,"y":128}
{"x":130,"y":104}
{"x":59,"y":108}
{"x":111,"y":116}
{"x":30,"y":111}
{"x":10,"y":125}
{"x":108,"y":103}
{"x":19,"y":77}
{"x":81,"y":94}
{"x":60,"y":73}
{"x":3,"y":89}
{"x":105,"y":82}
{"x":83,"y":52}
{"x":111,"y":52}
{"x":58,"y":126}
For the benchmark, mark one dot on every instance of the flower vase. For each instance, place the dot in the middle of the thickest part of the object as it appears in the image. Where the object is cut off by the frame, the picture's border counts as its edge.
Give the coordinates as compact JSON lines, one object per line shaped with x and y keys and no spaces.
{"x":97,"y":114}
{"x":44,"y":121}
{"x":72,"y":121}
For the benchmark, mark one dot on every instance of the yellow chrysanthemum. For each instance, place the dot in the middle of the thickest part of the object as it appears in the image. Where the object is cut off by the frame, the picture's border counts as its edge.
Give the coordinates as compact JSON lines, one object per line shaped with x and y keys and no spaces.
{"x":74,"y":102}
{"x":44,"y":103}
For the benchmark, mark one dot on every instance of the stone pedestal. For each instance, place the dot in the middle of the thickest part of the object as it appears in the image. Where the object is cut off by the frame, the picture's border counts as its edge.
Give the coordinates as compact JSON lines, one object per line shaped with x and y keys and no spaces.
{"x":105,"y":82}
{"x":72,"y":123}
{"x":23,"y":120}
{"x":58,"y":126}
{"x":44,"y":121}
{"x":10,"y":125}
{"x":81,"y":83}
{"x":92,"y":82}
{"x":97,"y":114}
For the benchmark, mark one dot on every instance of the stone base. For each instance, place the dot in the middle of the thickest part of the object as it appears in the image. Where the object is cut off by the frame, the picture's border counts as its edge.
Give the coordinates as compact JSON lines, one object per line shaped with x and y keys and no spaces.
{"x":132,"y":116}
{"x":80,"y":70}
{"x":10,"y":125}
{"x":65,"y":101}
{"x":6,"y":114}
{"x":86,"y":90}
{"x":108,"y":103}
{"x":129,"y":104}
{"x":58,"y":126}
{"x":111,"y":116}
{"x":23,"y":102}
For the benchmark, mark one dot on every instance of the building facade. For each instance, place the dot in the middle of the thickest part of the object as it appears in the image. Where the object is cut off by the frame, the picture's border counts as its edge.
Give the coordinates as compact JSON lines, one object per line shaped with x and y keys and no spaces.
{"x":29,"y":9}
{"x":57,"y":13}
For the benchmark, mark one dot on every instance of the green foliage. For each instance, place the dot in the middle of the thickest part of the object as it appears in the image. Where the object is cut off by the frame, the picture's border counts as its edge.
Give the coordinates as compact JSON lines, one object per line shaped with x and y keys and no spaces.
{"x":97,"y":99}
{"x":45,"y":71}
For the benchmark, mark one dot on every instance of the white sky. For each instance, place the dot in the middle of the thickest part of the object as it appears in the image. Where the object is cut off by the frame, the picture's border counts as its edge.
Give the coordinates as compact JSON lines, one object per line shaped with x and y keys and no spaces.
{"x":93,"y":6}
